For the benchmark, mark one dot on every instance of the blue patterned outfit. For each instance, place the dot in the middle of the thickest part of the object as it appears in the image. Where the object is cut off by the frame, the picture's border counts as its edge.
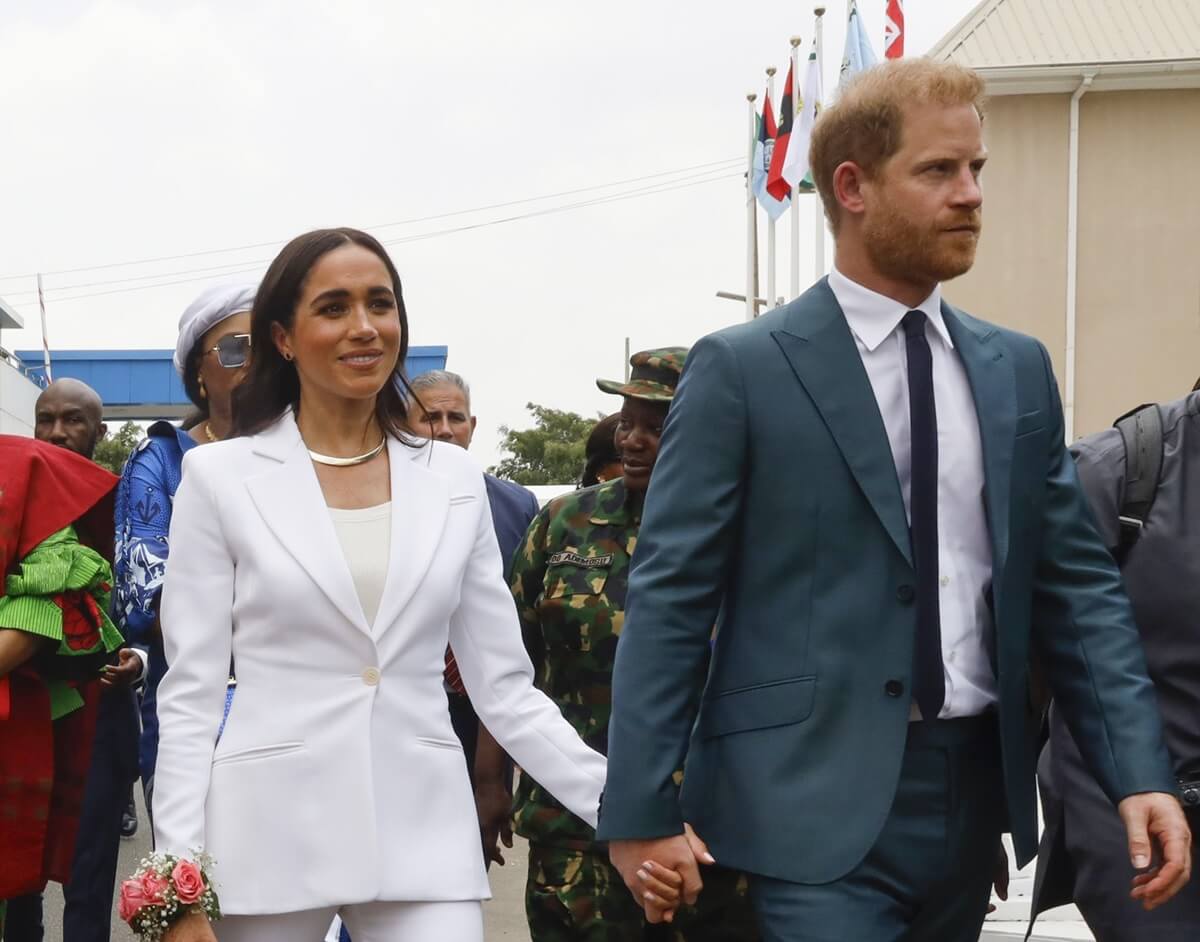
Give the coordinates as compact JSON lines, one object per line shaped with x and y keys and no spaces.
{"x":143,"y":518}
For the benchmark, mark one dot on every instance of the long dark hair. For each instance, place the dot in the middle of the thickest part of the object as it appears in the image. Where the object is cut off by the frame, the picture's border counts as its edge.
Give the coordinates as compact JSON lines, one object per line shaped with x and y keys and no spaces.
{"x":271,"y":384}
{"x":191,"y":386}
{"x":601,"y":449}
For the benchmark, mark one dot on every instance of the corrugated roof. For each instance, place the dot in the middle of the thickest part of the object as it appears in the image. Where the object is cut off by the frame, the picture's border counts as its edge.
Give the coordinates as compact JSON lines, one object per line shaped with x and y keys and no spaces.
{"x":1033,"y":33}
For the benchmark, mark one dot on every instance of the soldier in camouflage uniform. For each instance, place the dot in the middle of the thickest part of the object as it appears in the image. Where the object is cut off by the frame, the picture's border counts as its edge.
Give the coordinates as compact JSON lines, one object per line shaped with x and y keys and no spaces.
{"x":569,"y":581}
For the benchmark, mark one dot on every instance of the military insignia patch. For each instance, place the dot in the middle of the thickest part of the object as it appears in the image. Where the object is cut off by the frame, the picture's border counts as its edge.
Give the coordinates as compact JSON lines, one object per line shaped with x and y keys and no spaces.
{"x":584,"y":562}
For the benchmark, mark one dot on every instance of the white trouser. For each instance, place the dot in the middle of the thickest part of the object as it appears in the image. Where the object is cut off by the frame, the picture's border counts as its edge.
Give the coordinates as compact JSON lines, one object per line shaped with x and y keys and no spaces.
{"x":461,"y":921}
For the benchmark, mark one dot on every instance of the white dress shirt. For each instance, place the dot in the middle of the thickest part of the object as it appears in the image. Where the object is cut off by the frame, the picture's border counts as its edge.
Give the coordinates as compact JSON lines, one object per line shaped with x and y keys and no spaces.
{"x":964,"y":546}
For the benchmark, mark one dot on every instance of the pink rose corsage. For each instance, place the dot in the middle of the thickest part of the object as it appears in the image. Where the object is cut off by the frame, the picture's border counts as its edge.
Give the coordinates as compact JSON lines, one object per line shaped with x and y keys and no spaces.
{"x":163,"y":889}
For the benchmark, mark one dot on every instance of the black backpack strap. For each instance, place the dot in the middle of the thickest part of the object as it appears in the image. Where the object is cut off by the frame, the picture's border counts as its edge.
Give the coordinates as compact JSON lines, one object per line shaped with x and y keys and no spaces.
{"x":1142,"y":433}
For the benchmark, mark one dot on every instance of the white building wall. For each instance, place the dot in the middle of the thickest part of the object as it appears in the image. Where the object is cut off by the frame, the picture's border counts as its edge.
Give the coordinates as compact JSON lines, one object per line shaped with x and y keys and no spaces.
{"x":18,"y":395}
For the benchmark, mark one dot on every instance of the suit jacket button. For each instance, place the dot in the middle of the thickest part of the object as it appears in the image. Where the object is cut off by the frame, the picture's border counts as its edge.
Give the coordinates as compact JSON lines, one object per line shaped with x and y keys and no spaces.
{"x":893,"y":688}
{"x":370,"y":676}
{"x":906,"y":594}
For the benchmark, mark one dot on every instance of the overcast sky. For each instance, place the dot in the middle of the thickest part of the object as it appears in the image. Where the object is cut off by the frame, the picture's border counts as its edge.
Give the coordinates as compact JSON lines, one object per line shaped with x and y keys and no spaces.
{"x":134,"y":129}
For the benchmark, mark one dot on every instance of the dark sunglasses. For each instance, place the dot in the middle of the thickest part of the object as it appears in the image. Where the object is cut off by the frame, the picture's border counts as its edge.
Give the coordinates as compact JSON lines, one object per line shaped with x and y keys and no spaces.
{"x":232,"y":350}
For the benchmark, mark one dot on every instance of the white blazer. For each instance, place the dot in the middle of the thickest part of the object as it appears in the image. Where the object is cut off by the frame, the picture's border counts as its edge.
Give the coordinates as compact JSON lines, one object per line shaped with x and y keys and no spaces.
{"x":338,"y":778}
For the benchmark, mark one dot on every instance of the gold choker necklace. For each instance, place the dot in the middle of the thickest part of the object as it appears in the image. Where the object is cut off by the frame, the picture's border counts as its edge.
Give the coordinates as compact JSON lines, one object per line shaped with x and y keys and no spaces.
{"x":334,"y":462}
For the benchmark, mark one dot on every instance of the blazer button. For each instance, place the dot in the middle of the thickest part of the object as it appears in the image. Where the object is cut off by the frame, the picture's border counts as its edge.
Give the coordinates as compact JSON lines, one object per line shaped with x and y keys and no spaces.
{"x":893,"y":688}
{"x":906,"y":594}
{"x":370,"y":676}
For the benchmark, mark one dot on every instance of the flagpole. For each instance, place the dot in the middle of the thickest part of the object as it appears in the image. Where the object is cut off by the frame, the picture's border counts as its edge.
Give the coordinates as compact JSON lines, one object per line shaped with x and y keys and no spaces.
{"x":796,"y":100}
{"x":751,"y":235}
{"x":818,"y":210}
{"x":45,"y":339}
{"x":770,"y":218}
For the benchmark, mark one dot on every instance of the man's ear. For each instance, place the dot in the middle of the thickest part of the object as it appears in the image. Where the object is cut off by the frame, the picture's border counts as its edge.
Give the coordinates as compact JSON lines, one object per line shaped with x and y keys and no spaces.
{"x":473,"y":421}
{"x":848,"y":182}
{"x":101,"y":431}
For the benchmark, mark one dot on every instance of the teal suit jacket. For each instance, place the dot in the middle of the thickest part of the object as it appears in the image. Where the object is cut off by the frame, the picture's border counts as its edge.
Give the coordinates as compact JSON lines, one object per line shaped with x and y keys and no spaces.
{"x":775,"y":513}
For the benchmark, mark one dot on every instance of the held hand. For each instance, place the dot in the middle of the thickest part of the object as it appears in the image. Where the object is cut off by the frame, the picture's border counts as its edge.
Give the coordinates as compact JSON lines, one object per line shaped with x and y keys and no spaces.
{"x":493,"y":804}
{"x":194,"y":927}
{"x":124,"y":673}
{"x":1155,"y":820}
{"x":657,"y":871}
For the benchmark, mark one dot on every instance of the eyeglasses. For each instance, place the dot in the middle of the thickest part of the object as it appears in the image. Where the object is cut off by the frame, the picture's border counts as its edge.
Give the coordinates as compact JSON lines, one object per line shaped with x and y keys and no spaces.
{"x":232,"y":350}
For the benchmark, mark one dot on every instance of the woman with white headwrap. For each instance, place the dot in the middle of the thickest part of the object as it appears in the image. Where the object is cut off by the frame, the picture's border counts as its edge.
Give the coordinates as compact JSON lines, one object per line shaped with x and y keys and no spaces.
{"x":211,"y":354}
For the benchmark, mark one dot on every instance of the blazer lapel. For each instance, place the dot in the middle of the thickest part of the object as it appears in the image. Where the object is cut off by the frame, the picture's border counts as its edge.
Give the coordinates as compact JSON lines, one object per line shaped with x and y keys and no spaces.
{"x":420,"y":503}
{"x":821,"y":350}
{"x":994,"y":387}
{"x":292,"y":505}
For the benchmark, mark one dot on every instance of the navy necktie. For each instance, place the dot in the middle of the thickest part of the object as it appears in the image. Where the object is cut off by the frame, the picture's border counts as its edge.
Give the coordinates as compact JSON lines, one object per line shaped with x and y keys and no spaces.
{"x":929,"y":684}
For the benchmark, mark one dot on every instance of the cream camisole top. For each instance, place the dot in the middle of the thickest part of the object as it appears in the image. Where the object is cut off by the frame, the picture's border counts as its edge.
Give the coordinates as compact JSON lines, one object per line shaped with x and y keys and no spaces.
{"x":366,"y":538}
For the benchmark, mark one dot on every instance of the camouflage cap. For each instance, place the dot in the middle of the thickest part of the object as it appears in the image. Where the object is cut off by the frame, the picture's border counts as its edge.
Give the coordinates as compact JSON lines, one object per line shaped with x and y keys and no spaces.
{"x":654,"y":375}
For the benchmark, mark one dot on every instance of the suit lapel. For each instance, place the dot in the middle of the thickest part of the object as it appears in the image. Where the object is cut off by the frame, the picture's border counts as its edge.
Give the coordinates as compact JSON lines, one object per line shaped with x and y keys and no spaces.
{"x":821,"y":350}
{"x":993,"y":385}
{"x":280,"y":494}
{"x":420,"y":503}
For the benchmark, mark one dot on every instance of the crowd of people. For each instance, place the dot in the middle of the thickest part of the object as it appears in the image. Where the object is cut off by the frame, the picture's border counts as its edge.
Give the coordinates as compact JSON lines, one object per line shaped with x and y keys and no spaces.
{"x":778,"y":669}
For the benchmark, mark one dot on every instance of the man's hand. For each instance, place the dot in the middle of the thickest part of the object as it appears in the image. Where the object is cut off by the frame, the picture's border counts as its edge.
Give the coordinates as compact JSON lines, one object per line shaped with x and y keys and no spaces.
{"x":125,"y":672}
{"x":493,"y":804}
{"x":1000,"y":877}
{"x":657,"y":872}
{"x":1157,"y":819}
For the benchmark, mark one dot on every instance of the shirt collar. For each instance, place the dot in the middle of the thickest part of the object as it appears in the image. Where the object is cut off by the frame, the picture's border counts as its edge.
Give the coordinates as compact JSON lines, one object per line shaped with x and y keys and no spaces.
{"x":873,"y":316}
{"x":617,"y":506}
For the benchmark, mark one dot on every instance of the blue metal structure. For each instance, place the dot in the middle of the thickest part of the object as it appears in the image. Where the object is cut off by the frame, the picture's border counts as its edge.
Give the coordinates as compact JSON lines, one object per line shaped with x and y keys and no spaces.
{"x":143,"y":384}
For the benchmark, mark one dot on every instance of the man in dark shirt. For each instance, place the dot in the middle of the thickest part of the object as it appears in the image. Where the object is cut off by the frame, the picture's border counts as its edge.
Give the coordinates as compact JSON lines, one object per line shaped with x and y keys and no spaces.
{"x":1081,"y":855}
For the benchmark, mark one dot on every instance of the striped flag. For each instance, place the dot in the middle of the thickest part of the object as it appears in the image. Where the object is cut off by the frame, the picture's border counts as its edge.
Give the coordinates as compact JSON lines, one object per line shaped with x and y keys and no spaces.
{"x":893,"y":30}
{"x":859,"y":56}
{"x":777,"y":185}
{"x":796,"y":168}
{"x":764,"y":147}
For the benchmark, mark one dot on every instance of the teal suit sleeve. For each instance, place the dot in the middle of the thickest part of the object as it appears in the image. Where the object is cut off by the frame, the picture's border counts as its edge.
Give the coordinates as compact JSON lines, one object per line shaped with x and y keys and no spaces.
{"x":1084,"y":629}
{"x":687,"y":537}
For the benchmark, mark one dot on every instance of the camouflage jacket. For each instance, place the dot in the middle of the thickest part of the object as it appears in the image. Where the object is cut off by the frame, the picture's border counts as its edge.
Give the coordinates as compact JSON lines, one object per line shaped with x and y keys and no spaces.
{"x":570,"y":580}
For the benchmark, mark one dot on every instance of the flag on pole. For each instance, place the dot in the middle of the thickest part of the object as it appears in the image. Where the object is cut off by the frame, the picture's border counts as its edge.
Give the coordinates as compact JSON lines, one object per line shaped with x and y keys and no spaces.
{"x":777,"y":185}
{"x":795,"y":167}
{"x":45,"y":339}
{"x":859,"y":56}
{"x":764,"y":147}
{"x":893,"y":30}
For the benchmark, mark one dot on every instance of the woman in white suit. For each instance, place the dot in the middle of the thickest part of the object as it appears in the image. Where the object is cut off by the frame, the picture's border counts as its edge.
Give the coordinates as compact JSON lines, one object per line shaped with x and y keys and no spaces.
{"x":333,"y":557}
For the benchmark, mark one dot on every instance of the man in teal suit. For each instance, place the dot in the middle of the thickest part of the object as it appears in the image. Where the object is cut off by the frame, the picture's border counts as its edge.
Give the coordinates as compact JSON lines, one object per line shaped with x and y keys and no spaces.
{"x":869,"y":494}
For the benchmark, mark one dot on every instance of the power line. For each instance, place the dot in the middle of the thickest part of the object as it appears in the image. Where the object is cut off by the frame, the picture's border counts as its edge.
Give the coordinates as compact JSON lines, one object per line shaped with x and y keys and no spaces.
{"x":239,"y":267}
{"x":217,"y":269}
{"x":382,"y":225}
{"x":665,"y":187}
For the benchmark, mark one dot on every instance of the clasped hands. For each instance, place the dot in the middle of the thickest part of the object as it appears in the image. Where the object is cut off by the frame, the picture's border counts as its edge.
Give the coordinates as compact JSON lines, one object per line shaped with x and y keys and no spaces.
{"x":662,"y":873}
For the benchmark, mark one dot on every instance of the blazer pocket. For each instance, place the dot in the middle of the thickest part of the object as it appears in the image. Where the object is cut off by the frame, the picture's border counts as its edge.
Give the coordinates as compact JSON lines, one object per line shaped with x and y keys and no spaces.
{"x":462,"y":499}
{"x":1030,"y":422}
{"x":440,"y":743}
{"x":258,"y":752}
{"x":762,"y":706}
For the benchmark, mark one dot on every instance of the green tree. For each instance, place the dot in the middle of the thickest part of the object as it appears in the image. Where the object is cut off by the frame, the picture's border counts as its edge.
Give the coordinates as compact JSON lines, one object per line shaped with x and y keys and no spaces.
{"x":112,"y":451}
{"x":552,"y":452}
